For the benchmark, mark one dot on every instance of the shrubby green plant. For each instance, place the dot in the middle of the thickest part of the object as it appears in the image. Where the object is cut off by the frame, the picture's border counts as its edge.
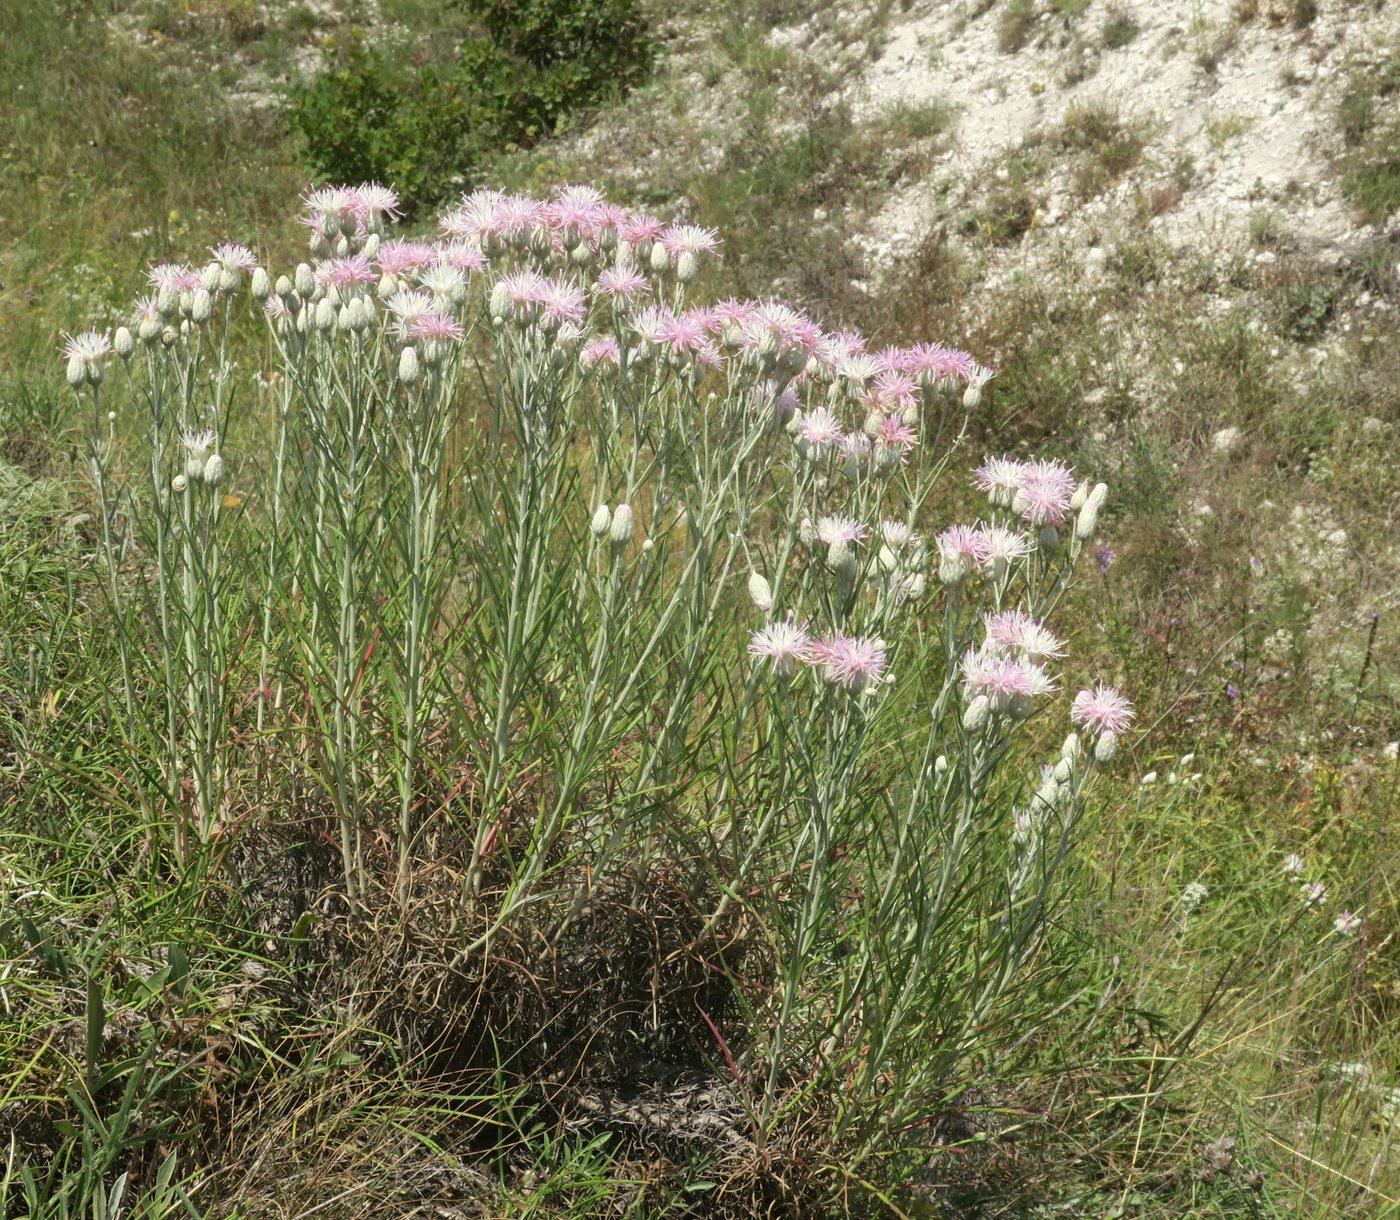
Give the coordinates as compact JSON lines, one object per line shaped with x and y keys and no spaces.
{"x":372,"y":114}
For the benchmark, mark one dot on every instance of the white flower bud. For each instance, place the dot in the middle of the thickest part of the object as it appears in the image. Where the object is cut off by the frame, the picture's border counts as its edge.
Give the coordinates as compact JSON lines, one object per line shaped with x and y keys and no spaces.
{"x":305,"y":281}
{"x":178,"y":484}
{"x":760,"y":592}
{"x":976,"y":714}
{"x":1064,"y":771}
{"x":371,"y":247}
{"x":167,"y":301}
{"x":1081,"y":494}
{"x":261,"y":287}
{"x":210,"y":277}
{"x":1149,"y":779}
{"x":1072,"y":750}
{"x":1106,"y":747}
{"x":122,"y":343}
{"x":623,"y":527}
{"x":77,"y":371}
{"x":1048,"y":538}
{"x":940,"y":764}
{"x":1085,"y":523}
{"x":148,"y":329}
{"x":201,"y":306}
{"x":285,"y":287}
{"x":807,"y":532}
{"x":408,"y":366}
{"x":324,"y":317}
{"x":214,"y":470}
{"x":972,"y":396}
{"x":686,"y":267}
{"x":500,"y":302}
{"x":1098,"y":495}
{"x":659,"y":257}
{"x":602,"y":521}
{"x":648,"y":546}
{"x":888,"y":559}
{"x":194,"y":468}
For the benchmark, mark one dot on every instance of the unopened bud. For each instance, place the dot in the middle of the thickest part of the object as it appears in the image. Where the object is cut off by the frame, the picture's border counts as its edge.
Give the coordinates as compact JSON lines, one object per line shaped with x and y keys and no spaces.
{"x":122,"y":343}
{"x":201,"y":306}
{"x":623,"y":527}
{"x":324,"y":317}
{"x":178,"y":484}
{"x":261,"y":287}
{"x":77,"y":371}
{"x":760,"y":592}
{"x":408,"y":366}
{"x":214,"y":470}
{"x":1106,"y":747}
{"x":602,"y":521}
{"x":976,"y":714}
{"x":1085,"y":523}
{"x":305,"y":281}
{"x":210,"y":277}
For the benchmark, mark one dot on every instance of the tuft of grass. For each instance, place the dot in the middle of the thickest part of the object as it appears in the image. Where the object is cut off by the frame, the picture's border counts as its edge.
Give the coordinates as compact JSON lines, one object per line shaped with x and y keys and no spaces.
{"x":1119,"y":29}
{"x":1016,"y":25}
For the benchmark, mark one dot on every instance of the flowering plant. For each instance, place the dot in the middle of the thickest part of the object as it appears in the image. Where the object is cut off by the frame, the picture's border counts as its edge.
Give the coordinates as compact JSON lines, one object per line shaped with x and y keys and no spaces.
{"x":524,"y":503}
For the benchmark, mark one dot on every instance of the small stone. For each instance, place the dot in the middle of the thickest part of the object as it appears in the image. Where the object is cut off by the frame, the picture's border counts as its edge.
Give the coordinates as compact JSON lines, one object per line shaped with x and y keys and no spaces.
{"x":1226,"y":440}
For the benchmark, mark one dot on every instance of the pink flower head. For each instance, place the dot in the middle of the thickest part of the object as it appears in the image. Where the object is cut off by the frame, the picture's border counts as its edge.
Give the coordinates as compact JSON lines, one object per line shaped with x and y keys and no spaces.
{"x":1002,"y":679}
{"x":931,"y":362}
{"x":327,"y":208}
{"x":892,"y":360}
{"x":473,"y":216}
{"x":515,"y":218}
{"x":402,"y":258}
{"x":370,"y":202}
{"x":1001,"y":547}
{"x":651,"y":323}
{"x":729,"y":318}
{"x":435,"y":326}
{"x":896,"y":434}
{"x":602,"y":350}
{"x":172,"y":277}
{"x":1000,"y":478}
{"x":836,"y":531}
{"x":894,"y":388}
{"x":234,"y":256}
{"x":408,"y":307}
{"x":573,"y":213}
{"x":1042,"y":497}
{"x":639,"y":232}
{"x":686,"y":334}
{"x":961,"y":543}
{"x":850,"y":661}
{"x":462,"y":256}
{"x":621,"y":284}
{"x":521,"y":289}
{"x":1015,"y":632}
{"x":1101,"y":710}
{"x":782,"y":645}
{"x":561,"y":301}
{"x":689,"y":239}
{"x":898,"y":534}
{"x":819,"y":428}
{"x":346,"y":272}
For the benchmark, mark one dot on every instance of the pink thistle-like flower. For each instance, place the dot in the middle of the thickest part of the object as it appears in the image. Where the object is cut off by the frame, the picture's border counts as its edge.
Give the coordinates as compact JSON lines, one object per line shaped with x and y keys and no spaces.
{"x":522,"y":288}
{"x":961,"y":543}
{"x":729,"y":318}
{"x":370,"y":201}
{"x":819,"y":428}
{"x":685,"y":334}
{"x":473,"y":216}
{"x":402,"y":258}
{"x":408,"y":307}
{"x":898,"y":534}
{"x":841,"y":530}
{"x":172,"y":277}
{"x":930,"y":362}
{"x":1001,"y":547}
{"x":689,"y":239}
{"x":462,"y":256}
{"x":516,"y":217}
{"x":1101,"y":710}
{"x":782,"y":645}
{"x":602,"y":350}
{"x":854,"y":662}
{"x":640,"y":231}
{"x":892,"y":359}
{"x":90,"y":346}
{"x":1043,"y":492}
{"x":621,"y":284}
{"x":894,"y":388}
{"x":1000,"y":478}
{"x":896,"y":434}
{"x":234,"y":256}
{"x":561,"y":301}
{"x":346,"y":272}
{"x":1314,"y":893}
{"x":327,"y":206}
{"x":435,"y":326}
{"x":1015,"y":631}
{"x":1002,"y":679}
